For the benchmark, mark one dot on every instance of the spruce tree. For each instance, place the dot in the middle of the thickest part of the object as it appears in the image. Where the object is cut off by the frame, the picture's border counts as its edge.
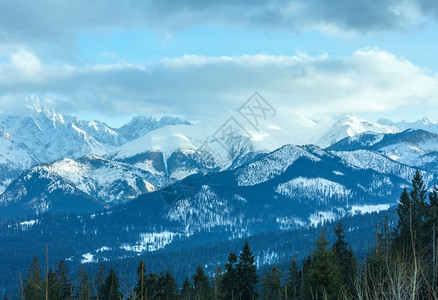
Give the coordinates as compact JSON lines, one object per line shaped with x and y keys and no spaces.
{"x":294,"y":280}
{"x":140,"y":288}
{"x":403,"y":229}
{"x":418,"y":198}
{"x":230,"y":279}
{"x":63,"y":278}
{"x":99,"y":281}
{"x":187,"y":292}
{"x":201,"y":285}
{"x":322,"y":281}
{"x":34,"y":283}
{"x":272,"y":288}
{"x":167,"y":286}
{"x":111,"y":290}
{"x":345,"y":262}
{"x":84,"y":288}
{"x":247,"y":274}
{"x":54,"y":286}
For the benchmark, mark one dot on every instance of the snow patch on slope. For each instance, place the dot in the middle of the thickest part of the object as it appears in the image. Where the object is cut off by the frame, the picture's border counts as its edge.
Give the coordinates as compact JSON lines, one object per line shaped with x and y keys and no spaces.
{"x":319,"y":189}
{"x":271,"y":165}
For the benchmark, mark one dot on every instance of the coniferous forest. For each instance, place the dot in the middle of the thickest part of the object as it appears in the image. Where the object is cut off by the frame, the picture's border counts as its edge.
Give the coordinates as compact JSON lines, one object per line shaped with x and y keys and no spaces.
{"x":401,"y":265}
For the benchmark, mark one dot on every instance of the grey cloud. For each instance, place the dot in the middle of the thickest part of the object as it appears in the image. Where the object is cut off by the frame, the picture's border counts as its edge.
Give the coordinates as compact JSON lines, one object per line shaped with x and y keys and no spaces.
{"x":31,"y":21}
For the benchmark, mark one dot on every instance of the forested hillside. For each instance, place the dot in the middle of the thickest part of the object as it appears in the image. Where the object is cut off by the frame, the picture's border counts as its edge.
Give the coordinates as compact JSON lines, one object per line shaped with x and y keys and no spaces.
{"x":400,"y":265}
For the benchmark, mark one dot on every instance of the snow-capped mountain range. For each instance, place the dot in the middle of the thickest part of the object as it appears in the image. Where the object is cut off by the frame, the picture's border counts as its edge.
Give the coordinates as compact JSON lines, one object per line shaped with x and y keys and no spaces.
{"x":104,"y":166}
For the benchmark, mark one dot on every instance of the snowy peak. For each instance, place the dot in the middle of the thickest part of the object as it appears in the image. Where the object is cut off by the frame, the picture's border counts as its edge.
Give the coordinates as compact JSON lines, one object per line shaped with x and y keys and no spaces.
{"x":349,"y":126}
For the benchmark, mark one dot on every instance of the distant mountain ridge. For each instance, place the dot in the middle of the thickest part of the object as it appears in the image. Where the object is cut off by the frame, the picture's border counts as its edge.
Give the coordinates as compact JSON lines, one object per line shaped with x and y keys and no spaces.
{"x":67,"y":157}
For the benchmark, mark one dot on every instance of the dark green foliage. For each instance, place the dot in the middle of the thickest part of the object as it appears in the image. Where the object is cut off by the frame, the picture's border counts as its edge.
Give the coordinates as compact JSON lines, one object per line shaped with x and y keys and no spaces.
{"x":187,"y":291}
{"x":345,"y":262}
{"x":320,"y":272}
{"x":294,"y":280}
{"x":54,"y":286}
{"x":99,"y":282}
{"x":140,"y":288}
{"x":111,"y":289}
{"x":403,"y":229}
{"x":34,"y":287}
{"x":230,"y":279}
{"x":84,"y":287}
{"x":247,"y":274}
{"x":63,"y":278}
{"x":167,"y":287}
{"x":201,"y":285}
{"x":272,"y":288}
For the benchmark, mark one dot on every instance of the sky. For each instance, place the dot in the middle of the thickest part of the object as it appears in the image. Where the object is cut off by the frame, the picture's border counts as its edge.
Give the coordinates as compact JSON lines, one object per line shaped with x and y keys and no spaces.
{"x":198,"y":59}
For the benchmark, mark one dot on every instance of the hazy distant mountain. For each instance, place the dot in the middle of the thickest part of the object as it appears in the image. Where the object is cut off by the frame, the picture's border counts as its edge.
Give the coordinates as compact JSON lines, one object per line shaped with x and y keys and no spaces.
{"x":425,"y":123}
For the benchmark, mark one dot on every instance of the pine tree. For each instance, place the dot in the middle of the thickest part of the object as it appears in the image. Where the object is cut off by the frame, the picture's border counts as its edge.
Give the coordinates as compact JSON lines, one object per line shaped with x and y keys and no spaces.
{"x":187,"y":292}
{"x":63,"y":278}
{"x":34,"y":283}
{"x":321,"y":280}
{"x":201,"y":285}
{"x":432,"y":230}
{"x":345,"y":262}
{"x":247,"y":274}
{"x":140,"y":288}
{"x":111,"y":287}
{"x":418,"y":198}
{"x":272,"y":288}
{"x":54,"y":286}
{"x":217,"y":283}
{"x":230,"y":279}
{"x":294,"y":280}
{"x":403,"y":229}
{"x":84,"y":288}
{"x":376,"y":271}
{"x":167,"y":286}
{"x":99,"y":282}
{"x":151,"y":287}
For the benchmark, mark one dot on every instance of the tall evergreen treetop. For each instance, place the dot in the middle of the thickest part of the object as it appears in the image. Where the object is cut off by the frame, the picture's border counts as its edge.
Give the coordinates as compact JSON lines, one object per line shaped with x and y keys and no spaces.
{"x":247,"y":273}
{"x":111,"y":290}
{"x":201,"y":285}
{"x":345,"y":262}
{"x":321,"y":275}
{"x":63,"y":277}
{"x":34,"y":283}
{"x":230,"y":278}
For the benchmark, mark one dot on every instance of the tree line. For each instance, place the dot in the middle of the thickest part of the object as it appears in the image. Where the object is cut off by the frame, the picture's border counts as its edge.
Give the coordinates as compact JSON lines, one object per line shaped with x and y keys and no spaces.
{"x":402,"y":265}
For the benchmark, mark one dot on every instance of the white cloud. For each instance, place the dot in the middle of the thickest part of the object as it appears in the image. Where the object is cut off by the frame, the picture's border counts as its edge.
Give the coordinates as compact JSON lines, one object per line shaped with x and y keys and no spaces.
{"x":370,"y":80}
{"x":27,"y":64}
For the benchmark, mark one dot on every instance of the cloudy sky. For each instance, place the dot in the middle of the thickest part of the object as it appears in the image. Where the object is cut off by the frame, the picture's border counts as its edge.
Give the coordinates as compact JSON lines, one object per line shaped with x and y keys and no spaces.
{"x":202,"y":59}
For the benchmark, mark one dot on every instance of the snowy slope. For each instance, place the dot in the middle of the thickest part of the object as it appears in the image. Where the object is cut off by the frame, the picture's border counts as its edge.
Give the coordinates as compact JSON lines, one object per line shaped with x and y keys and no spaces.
{"x":48,"y":135}
{"x":349,"y":126}
{"x":86,"y":184}
{"x":415,"y":148}
{"x":207,"y":145}
{"x":13,"y":161}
